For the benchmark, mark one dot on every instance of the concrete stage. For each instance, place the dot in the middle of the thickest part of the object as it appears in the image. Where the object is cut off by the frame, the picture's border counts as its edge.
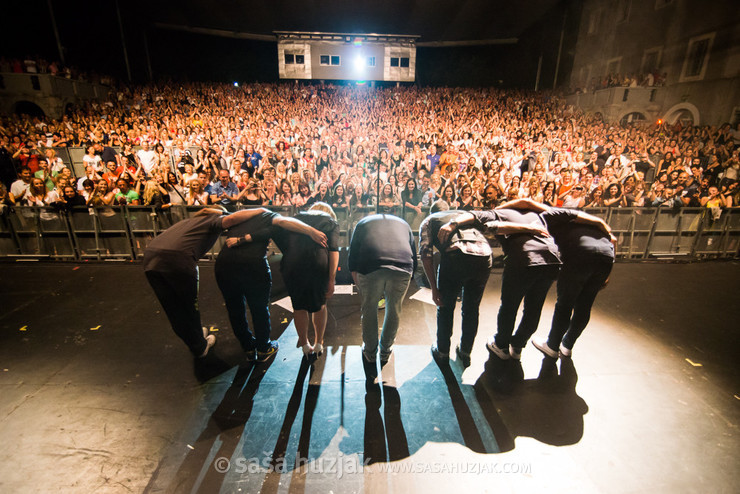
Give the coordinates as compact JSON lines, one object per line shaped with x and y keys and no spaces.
{"x":98,"y":395}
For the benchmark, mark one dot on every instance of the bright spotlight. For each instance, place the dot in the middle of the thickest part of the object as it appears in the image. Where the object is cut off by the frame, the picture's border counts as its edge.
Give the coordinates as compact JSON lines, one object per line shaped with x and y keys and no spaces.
{"x":236,"y":84}
{"x":359,"y":63}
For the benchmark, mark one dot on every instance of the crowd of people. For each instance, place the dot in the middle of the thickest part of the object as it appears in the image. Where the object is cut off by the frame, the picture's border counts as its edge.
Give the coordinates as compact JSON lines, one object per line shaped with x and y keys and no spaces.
{"x":397,"y":149}
{"x":649,"y":79}
{"x":39,"y":65}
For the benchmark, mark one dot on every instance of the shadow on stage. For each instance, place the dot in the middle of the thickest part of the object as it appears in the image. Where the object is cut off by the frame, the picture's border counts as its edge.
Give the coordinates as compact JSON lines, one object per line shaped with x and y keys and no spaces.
{"x":222,"y":434}
{"x":546,"y":408}
{"x":293,"y":428}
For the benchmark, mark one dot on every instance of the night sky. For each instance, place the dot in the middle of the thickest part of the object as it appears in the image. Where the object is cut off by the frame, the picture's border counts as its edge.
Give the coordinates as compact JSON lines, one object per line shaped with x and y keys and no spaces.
{"x":91,"y":38}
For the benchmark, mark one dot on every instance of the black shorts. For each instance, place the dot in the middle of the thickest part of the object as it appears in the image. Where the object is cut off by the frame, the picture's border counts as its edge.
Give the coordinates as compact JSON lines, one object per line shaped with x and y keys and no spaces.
{"x":307,"y":286}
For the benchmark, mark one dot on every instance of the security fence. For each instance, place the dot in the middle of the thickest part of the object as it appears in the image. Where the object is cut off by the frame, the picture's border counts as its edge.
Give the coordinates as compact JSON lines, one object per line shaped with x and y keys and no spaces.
{"x":123,"y":232}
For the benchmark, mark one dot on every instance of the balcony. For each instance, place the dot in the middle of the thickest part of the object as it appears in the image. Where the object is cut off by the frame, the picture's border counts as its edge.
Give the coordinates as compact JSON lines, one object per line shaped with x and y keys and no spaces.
{"x":50,"y":93}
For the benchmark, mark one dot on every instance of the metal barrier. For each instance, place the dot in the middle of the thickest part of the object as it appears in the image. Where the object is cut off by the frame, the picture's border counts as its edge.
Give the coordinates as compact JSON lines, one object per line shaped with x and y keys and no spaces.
{"x":124,"y":232}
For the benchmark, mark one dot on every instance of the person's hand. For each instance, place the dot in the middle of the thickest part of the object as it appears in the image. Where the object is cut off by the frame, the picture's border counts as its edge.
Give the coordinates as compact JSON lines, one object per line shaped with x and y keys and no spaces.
{"x":232,"y":241}
{"x":613,"y":240}
{"x":537,"y":229}
{"x":319,"y":237}
{"x":436,"y":297}
{"x":445,"y":232}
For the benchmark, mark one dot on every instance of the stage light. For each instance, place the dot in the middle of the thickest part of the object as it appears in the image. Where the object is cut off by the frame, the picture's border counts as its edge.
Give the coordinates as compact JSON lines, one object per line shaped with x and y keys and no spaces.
{"x":236,"y":84}
{"x":360,"y":63}
{"x":660,"y":121}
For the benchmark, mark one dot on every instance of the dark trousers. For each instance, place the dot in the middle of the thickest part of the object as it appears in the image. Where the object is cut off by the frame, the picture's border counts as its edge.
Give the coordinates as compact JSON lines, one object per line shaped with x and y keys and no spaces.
{"x":578,"y":286}
{"x":242,"y":285}
{"x":522,"y":283}
{"x":460,"y":271}
{"x":177,"y":291}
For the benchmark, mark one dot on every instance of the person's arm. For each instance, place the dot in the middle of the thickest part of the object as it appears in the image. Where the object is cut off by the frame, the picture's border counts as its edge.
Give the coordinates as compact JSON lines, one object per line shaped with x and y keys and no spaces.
{"x":233,"y":197}
{"x":241,"y":216}
{"x":527,"y":204}
{"x":463,"y":219}
{"x":214,"y":198}
{"x":510,"y":228}
{"x":297,"y":226}
{"x":259,"y":235}
{"x":333,"y":265}
{"x":589,"y":219}
{"x":428,"y":264}
{"x":353,"y":261}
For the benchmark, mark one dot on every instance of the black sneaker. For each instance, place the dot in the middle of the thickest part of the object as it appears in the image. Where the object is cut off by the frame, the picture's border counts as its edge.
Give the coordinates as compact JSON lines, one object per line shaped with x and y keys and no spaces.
{"x":438,"y":356}
{"x":271,"y":351}
{"x":463,"y":357}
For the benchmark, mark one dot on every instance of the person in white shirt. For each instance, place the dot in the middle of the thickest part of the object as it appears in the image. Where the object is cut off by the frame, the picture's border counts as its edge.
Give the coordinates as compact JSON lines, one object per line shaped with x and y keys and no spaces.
{"x":146,"y":157}
{"x":20,"y":187}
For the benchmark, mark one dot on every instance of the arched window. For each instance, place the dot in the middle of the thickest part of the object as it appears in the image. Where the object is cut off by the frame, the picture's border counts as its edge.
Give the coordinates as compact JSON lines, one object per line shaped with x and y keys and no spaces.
{"x":28,"y":108}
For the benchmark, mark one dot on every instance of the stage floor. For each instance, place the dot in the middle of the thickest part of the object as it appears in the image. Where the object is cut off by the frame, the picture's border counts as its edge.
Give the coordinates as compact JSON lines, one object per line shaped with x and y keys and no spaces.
{"x":99,"y":395}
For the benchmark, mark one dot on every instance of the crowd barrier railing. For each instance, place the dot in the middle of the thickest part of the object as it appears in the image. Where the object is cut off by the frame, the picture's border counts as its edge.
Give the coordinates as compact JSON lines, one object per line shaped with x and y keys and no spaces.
{"x":124,"y":232}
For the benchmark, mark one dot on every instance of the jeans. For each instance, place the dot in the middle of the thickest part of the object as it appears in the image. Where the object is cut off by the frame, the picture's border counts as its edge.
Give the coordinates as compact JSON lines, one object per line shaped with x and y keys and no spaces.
{"x":460,"y":271}
{"x":242,"y":285}
{"x":522,"y":283}
{"x":578,"y":286}
{"x":374,"y":286}
{"x":177,"y":291}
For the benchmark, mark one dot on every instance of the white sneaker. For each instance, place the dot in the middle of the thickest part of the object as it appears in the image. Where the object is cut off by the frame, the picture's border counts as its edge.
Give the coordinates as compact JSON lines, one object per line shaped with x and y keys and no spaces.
{"x":210,"y":341}
{"x":500,"y":353}
{"x":541,"y":345}
{"x":516,"y":353}
{"x":564,"y":352}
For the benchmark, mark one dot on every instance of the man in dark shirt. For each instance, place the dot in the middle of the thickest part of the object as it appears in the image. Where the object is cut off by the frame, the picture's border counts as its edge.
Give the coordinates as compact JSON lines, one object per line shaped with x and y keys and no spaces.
{"x":224,"y":191}
{"x":171,"y":266}
{"x":107,"y":154}
{"x":465,"y":263}
{"x":587,"y":251}
{"x":531,"y":265}
{"x":244,"y":278}
{"x":382,"y":259}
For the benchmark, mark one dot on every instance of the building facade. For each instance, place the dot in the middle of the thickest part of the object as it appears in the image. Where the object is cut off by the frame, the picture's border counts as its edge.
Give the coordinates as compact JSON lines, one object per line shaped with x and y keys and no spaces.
{"x":658,"y":59}
{"x":355,"y":57}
